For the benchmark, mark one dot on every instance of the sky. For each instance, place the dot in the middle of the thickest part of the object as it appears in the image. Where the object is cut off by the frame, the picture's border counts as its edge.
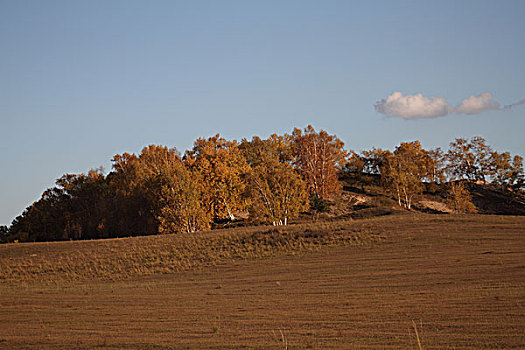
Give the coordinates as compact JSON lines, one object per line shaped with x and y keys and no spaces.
{"x":81,"y":81}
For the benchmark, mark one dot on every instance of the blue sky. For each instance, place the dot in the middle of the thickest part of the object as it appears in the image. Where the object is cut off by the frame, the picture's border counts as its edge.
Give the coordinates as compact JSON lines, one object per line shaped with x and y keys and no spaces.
{"x":83,"y":80}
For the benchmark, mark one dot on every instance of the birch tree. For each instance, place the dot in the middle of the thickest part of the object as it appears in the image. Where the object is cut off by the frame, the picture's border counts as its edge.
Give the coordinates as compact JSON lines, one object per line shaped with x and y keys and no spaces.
{"x":223,"y":168}
{"x":278,"y":193}
{"x":318,"y":157}
{"x":404,"y":171}
{"x":469,"y":159}
{"x":181,"y":198}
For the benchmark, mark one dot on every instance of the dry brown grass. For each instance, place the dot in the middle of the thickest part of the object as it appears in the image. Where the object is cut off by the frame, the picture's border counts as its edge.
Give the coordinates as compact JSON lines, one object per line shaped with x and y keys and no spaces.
{"x":459,"y":279}
{"x":125,"y":258}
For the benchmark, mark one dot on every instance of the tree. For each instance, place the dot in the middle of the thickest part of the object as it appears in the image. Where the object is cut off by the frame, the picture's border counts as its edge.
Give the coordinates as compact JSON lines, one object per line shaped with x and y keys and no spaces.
{"x":4,"y":233}
{"x":517,"y":178}
{"x":506,"y":171}
{"x":278,"y":193}
{"x":19,"y":228}
{"x":404,"y":171}
{"x":136,"y":184}
{"x":459,"y":198}
{"x":257,"y":151}
{"x":158,"y":193}
{"x":83,"y":204}
{"x":224,"y":169}
{"x":469,"y":159}
{"x":355,"y":164}
{"x":182,"y":201}
{"x":436,"y":165}
{"x":75,"y":208}
{"x":374,"y":160}
{"x":318,"y":206}
{"x":318,"y":157}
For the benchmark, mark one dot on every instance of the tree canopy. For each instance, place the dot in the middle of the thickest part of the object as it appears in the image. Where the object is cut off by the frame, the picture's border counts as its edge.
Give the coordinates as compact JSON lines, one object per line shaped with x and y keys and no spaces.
{"x":318,"y":156}
{"x":268,"y":181}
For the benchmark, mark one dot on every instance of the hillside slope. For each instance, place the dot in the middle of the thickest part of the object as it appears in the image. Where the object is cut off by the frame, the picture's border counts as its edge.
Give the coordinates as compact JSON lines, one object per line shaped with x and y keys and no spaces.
{"x":364,"y":196}
{"x":460,"y":280}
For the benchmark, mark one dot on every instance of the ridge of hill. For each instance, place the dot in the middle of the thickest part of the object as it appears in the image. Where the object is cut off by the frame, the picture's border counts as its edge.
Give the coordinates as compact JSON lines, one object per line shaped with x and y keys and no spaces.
{"x":363,"y":197}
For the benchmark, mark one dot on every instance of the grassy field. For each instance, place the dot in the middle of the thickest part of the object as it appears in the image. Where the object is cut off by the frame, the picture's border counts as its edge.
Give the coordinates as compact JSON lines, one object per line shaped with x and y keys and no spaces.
{"x":365,"y":284}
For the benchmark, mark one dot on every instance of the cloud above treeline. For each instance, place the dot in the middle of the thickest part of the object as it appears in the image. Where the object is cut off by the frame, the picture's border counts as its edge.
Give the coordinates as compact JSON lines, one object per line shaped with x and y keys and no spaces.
{"x":420,"y":107}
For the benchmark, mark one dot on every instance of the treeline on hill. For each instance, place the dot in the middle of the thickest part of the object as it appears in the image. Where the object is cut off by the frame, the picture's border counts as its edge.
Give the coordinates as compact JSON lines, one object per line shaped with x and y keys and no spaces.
{"x":272,"y":180}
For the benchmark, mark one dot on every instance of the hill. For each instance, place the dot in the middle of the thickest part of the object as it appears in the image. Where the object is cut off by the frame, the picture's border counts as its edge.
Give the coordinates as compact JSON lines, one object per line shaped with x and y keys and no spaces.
{"x":363,"y":196}
{"x":458,"y":280}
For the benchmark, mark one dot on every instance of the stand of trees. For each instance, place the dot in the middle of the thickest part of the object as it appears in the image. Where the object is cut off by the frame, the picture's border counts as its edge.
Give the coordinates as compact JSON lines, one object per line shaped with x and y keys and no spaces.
{"x":276,"y":190}
{"x":160,"y":191}
{"x":404,"y":171}
{"x":271,"y":180}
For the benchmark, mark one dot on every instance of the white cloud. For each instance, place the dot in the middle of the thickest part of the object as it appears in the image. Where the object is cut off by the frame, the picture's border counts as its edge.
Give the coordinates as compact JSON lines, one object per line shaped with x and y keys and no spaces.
{"x":477,"y":104}
{"x":413,"y":106}
{"x":419,"y":107}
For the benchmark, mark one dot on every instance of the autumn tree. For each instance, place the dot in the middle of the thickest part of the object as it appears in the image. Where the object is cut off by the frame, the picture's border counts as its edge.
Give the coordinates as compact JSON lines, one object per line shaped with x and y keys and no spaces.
{"x":277,"y":192}
{"x":137,"y":184}
{"x":459,"y":199}
{"x":276,"y":178}
{"x":374,"y":160}
{"x":355,"y":164}
{"x":181,"y":199}
{"x":404,"y":170}
{"x":436,"y":165}
{"x":257,"y":150}
{"x":160,"y":192}
{"x":517,"y":176}
{"x":469,"y":159}
{"x":223,"y":168}
{"x":506,"y":171}
{"x":318,"y":157}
